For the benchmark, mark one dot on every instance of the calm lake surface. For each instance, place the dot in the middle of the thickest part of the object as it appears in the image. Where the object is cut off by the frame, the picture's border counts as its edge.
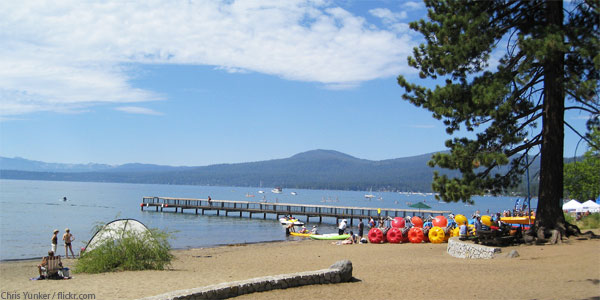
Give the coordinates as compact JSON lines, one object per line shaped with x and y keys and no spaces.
{"x":31,"y":210}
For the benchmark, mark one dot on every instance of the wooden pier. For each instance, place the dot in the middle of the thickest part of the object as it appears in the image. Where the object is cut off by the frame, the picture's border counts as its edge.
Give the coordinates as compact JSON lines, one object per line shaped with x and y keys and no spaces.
{"x":278,"y":209}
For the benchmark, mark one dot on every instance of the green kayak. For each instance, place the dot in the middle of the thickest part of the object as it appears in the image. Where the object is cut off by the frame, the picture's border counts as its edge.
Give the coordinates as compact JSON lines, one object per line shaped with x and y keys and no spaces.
{"x":329,"y":236}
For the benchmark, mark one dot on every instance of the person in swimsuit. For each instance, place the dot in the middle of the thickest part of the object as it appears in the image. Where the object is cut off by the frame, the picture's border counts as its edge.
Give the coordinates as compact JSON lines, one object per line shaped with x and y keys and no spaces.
{"x":54,"y":240}
{"x":68,"y":238}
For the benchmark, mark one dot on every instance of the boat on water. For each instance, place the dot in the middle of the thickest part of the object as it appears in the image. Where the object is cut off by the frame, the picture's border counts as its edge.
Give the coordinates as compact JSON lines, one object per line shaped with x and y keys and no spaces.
{"x":248,"y":195}
{"x":277,"y":190}
{"x":261,"y":192}
{"x":369,"y":196}
{"x":294,"y":193}
{"x":329,"y":236}
{"x":287,"y":221}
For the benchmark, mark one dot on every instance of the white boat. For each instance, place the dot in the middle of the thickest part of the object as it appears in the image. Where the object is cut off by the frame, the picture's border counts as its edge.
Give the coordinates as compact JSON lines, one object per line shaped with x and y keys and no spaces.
{"x":261,"y":192}
{"x":287,"y":221}
{"x":277,"y":190}
{"x":369,"y":196}
{"x":294,"y":193}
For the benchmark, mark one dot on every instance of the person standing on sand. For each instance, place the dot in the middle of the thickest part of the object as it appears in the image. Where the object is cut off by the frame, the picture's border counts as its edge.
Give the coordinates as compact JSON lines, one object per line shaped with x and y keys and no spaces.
{"x":54,"y":240}
{"x":361,"y":229}
{"x":68,"y":238}
{"x":342,"y":227}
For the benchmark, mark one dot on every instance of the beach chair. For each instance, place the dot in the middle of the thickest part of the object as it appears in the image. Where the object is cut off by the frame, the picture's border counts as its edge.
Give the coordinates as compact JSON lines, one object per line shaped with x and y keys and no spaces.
{"x":51,"y":266}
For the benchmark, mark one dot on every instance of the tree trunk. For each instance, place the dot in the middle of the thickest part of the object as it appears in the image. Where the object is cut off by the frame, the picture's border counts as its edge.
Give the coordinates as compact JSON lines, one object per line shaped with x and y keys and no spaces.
{"x":549,"y":215}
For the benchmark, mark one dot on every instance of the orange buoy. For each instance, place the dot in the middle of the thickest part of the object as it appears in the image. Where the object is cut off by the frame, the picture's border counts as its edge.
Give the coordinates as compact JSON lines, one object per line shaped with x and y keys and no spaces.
{"x":415,"y":235}
{"x":436,"y":235}
{"x":440,"y":221}
{"x":398,"y":222}
{"x":417,"y":221}
{"x":394,"y":235}
{"x":376,"y":236}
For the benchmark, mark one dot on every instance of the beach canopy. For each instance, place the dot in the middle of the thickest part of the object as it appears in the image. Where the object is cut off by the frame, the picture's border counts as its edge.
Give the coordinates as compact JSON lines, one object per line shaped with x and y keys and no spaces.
{"x":115,"y":230}
{"x":419,"y":205}
{"x":571,"y":206}
{"x":590,"y":206}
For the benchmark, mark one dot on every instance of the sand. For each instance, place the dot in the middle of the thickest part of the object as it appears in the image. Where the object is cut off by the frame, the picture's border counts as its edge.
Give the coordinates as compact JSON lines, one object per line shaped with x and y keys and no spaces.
{"x":388,"y":271}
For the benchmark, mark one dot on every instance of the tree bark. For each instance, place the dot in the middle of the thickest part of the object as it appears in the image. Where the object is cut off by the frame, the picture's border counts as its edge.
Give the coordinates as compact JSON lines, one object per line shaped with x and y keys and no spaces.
{"x":549,"y":214}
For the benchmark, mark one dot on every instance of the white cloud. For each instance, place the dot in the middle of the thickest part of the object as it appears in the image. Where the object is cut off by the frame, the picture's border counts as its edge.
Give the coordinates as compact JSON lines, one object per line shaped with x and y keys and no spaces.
{"x":413,"y":5}
{"x":138,"y":110}
{"x":68,"y":55}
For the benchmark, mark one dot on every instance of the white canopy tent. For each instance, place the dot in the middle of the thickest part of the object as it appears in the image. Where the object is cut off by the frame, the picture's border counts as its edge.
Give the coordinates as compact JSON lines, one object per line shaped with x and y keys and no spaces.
{"x":571,"y":206}
{"x":116,"y":230}
{"x":590,"y":206}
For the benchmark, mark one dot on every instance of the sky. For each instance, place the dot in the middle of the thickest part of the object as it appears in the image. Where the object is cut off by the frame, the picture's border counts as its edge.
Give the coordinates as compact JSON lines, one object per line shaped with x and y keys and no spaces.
{"x":193,"y":83}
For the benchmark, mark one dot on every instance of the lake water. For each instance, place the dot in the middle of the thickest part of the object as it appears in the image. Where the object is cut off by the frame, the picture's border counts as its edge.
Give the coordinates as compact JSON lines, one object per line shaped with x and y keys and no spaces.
{"x":31,"y":210}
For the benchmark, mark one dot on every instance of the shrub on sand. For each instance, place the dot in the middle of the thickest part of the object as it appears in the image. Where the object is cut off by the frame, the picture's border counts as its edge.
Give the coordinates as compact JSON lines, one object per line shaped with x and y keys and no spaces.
{"x":591,"y":222}
{"x":133,"y":251}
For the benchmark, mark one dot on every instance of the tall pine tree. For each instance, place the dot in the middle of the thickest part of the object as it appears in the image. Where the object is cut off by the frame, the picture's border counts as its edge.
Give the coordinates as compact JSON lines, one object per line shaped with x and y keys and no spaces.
{"x":550,"y":65}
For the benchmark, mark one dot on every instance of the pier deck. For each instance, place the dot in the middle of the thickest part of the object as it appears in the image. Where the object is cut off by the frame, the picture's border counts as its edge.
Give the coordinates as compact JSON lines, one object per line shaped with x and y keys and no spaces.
{"x":279,"y":209}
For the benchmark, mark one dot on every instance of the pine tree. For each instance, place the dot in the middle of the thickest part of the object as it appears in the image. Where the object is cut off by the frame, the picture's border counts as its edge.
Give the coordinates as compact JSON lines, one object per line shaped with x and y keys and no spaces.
{"x":551,"y":60}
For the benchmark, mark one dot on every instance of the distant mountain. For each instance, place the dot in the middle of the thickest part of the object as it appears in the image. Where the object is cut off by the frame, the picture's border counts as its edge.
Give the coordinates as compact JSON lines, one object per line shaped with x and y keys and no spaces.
{"x":316,"y":169}
{"x":22,"y":164}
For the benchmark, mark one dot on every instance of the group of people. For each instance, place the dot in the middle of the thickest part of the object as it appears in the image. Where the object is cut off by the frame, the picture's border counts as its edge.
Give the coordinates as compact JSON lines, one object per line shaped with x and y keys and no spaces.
{"x":68,"y":238}
{"x":353,"y":238}
{"x":51,"y":265}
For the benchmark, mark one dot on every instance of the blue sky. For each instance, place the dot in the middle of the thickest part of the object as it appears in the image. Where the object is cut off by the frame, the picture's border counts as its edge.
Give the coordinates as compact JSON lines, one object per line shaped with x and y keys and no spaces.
{"x":205,"y":82}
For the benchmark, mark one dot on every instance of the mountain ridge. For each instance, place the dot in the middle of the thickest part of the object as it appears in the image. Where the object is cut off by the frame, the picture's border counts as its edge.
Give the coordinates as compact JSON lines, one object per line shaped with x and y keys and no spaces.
{"x":314,"y":169}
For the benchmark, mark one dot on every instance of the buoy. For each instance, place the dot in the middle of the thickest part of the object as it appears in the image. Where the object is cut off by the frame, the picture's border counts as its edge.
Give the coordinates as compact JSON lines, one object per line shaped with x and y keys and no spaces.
{"x":436,"y":235}
{"x":142,"y":205}
{"x":417,"y":221}
{"x":398,"y":222}
{"x":394,"y":235}
{"x":486,"y":220}
{"x":415,"y":235}
{"x":460,"y":219}
{"x":440,"y":221}
{"x":377,"y":235}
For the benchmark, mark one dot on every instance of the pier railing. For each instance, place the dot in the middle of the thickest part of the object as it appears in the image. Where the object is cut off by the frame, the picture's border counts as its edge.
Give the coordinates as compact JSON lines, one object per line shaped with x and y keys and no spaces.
{"x":279,"y":209}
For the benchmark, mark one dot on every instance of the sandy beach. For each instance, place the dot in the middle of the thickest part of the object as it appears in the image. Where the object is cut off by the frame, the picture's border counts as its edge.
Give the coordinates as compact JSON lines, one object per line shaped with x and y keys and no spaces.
{"x":388,"y":271}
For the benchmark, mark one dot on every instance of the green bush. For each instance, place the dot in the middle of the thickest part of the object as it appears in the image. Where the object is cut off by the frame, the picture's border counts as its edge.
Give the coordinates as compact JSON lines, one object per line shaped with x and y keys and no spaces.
{"x":591,"y":222}
{"x":138,"y":251}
